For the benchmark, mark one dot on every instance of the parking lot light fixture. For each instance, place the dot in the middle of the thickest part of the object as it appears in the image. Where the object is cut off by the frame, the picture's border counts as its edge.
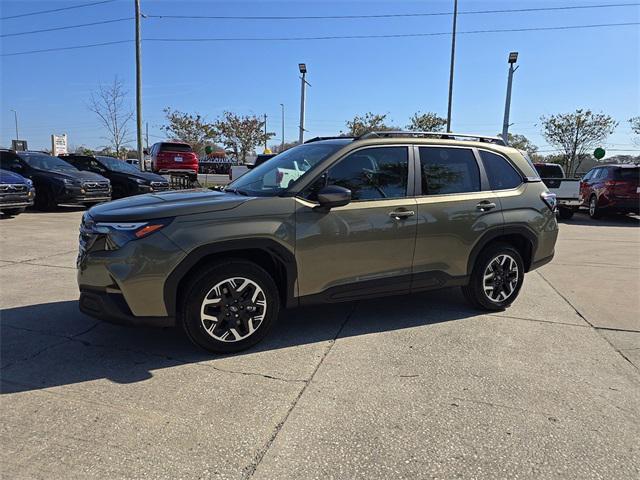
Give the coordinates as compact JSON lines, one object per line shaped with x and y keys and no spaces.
{"x":303,"y":92}
{"x":302,"y":67}
{"x":513,"y":58}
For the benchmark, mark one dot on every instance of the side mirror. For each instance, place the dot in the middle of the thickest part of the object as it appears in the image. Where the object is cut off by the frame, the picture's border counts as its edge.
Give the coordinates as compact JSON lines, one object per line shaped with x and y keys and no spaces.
{"x":333,"y":196}
{"x":145,"y":151}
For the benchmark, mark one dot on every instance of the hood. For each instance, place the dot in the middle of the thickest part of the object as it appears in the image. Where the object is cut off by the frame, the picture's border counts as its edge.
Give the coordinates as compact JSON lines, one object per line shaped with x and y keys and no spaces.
{"x":148,"y":176}
{"x":165,"y":204}
{"x":9,"y":177}
{"x":73,"y":175}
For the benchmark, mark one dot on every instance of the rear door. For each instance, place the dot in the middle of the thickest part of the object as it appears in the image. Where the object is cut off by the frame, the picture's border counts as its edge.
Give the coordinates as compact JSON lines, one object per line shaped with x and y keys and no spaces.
{"x":365,"y":247}
{"x":455,"y":207}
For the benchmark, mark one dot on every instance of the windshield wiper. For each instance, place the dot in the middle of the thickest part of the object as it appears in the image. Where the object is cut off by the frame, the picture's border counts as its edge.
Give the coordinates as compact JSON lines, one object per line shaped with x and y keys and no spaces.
{"x":236,"y":191}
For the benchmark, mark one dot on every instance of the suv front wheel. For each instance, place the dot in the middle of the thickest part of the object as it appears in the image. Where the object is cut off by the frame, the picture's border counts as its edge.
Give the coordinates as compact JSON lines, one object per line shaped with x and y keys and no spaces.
{"x":230,"y":306}
{"x":496,"y":279}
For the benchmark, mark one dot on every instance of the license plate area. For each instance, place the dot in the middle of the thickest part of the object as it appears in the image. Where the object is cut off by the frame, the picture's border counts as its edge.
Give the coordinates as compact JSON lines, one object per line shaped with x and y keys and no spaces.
{"x":177,"y":159}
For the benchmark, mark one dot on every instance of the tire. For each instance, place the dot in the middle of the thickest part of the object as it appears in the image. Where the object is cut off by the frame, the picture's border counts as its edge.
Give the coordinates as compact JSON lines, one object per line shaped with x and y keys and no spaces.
{"x":565,"y":213}
{"x":45,"y":200}
{"x":12,"y":212}
{"x":221,"y":336}
{"x":475,"y":292}
{"x":595,"y":212}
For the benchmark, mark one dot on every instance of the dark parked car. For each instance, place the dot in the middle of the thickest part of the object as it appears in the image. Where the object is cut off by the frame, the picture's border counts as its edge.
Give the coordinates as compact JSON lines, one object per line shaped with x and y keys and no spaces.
{"x":611,"y":189}
{"x":56,"y":181}
{"x":16,"y":193}
{"x":173,"y":157}
{"x":126,"y":180}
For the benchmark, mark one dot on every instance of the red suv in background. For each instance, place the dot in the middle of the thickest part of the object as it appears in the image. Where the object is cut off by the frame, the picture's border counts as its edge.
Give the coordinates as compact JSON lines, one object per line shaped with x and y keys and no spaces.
{"x":173,"y":157}
{"x":611,"y":188}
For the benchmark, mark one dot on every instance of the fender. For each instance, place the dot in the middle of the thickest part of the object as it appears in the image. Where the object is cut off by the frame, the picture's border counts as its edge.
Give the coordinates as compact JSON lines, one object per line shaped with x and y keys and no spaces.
{"x":523,"y":230}
{"x":280,"y":254}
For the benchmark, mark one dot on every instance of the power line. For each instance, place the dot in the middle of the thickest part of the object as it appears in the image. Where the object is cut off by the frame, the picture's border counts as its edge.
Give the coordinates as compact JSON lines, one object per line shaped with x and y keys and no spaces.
{"x":68,"y":27}
{"x":392,"y":35}
{"x":336,"y":37}
{"x":41,"y":12}
{"x":66,"y":48}
{"x":391,"y":15}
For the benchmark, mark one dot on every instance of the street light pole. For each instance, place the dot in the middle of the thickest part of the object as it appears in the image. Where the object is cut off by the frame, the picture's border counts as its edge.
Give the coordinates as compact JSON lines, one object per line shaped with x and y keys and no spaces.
{"x":265,"y":133}
{"x":15,"y":115}
{"x":453,"y":58}
{"x":139,"y":87}
{"x":303,"y":92}
{"x":513,"y":58}
{"x":282,"y":144}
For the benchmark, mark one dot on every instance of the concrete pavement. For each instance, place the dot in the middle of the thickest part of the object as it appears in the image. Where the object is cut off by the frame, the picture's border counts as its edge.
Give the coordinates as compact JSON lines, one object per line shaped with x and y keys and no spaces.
{"x":401,"y":387}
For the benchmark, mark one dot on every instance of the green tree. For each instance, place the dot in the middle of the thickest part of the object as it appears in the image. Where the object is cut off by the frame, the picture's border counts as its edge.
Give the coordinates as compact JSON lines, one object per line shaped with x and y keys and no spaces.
{"x":635,"y":127}
{"x":575,"y":134}
{"x":369,"y":122}
{"x":426,"y":122}
{"x":522,"y":143}
{"x":241,"y":134}
{"x":190,"y":128}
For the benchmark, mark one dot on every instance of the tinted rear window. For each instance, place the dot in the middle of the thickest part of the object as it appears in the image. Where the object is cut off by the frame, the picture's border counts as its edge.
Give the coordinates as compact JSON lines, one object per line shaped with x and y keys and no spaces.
{"x":175,"y":147}
{"x":627,"y":174}
{"x":549,"y":171}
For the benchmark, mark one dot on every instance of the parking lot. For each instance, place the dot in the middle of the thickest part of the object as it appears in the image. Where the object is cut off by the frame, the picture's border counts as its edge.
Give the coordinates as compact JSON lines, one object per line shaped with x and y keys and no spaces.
{"x":401,"y":387}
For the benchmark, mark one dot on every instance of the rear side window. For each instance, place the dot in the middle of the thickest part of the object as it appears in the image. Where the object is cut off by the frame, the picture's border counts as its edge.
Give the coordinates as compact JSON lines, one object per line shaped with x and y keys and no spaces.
{"x":448,"y":170}
{"x":175,"y":147}
{"x":628,"y":174}
{"x":501,"y":174}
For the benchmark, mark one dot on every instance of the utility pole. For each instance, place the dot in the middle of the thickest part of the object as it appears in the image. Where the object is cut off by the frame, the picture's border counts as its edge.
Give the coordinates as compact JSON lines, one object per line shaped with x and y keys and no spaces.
{"x":15,"y":115}
{"x":139,"y":87}
{"x":303,"y":91}
{"x":265,"y":133}
{"x":147,"y":136}
{"x":513,"y":58}
{"x":282,"y":144}
{"x":453,"y":59}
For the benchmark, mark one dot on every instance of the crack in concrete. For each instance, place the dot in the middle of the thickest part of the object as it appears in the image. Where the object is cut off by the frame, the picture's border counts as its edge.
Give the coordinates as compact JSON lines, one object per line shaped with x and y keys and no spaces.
{"x":250,"y":469}
{"x":586,"y":320}
{"x":12,"y":262}
{"x":537,"y":320}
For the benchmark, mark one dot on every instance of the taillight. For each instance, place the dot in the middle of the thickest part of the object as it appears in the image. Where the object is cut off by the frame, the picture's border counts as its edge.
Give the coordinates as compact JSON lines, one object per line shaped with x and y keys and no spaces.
{"x":550,"y":199}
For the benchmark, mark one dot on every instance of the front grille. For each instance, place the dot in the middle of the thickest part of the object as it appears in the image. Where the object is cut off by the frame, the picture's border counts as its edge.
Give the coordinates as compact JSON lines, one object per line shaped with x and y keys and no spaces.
{"x":96,"y":186}
{"x":160,"y":185}
{"x":13,"y":188}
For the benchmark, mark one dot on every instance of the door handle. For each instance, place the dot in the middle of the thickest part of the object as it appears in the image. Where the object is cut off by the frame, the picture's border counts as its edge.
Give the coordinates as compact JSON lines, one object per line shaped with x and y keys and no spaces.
{"x":401,"y":214}
{"x":485,"y":206}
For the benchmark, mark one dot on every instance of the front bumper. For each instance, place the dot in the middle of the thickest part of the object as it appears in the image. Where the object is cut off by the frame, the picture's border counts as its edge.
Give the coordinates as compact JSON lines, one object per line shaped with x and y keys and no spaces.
{"x":112,"y":308}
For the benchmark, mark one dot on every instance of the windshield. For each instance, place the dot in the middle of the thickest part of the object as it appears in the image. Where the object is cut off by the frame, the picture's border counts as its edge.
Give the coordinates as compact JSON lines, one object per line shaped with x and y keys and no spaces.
{"x":116,"y":165}
{"x":42,"y":161}
{"x":283,"y":170}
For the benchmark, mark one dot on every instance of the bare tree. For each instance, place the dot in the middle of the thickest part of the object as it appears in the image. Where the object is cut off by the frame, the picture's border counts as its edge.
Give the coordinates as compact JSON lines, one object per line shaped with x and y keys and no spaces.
{"x":109,"y":104}
{"x":576,"y":133}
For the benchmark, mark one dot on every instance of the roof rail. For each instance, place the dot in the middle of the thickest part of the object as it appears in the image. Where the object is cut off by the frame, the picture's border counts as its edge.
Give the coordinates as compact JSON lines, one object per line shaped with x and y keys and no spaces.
{"x":440,"y":135}
{"x":337,"y":137}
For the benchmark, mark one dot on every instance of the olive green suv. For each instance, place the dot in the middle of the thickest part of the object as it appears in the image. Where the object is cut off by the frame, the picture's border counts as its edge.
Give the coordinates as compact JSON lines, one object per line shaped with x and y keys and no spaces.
{"x":334,"y":219}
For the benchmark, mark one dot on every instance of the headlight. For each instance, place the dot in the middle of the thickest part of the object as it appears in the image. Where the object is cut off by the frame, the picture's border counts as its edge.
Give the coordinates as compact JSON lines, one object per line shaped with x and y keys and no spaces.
{"x":29,"y":184}
{"x":68,"y":181}
{"x":141,"y":181}
{"x":119,"y":233}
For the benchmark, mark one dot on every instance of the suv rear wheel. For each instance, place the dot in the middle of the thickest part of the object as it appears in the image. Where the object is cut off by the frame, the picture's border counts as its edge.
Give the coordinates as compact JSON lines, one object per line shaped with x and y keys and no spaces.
{"x":230,"y":306}
{"x":594,"y":210}
{"x":496,"y":279}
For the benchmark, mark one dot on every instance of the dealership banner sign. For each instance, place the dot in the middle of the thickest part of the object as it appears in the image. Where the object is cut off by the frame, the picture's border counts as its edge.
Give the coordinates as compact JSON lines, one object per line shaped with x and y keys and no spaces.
{"x":59,"y":144}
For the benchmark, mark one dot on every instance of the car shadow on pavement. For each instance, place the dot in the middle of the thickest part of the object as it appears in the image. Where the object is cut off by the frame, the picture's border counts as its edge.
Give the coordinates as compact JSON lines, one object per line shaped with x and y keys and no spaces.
{"x":606,"y":221}
{"x":53,"y":344}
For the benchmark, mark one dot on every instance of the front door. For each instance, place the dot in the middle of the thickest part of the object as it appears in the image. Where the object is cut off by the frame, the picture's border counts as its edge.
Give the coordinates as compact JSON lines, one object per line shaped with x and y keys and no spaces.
{"x":365,"y":247}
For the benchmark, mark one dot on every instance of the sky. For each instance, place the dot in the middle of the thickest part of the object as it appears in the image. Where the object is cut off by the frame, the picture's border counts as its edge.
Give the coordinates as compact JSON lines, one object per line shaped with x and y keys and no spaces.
{"x":559,"y":70}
